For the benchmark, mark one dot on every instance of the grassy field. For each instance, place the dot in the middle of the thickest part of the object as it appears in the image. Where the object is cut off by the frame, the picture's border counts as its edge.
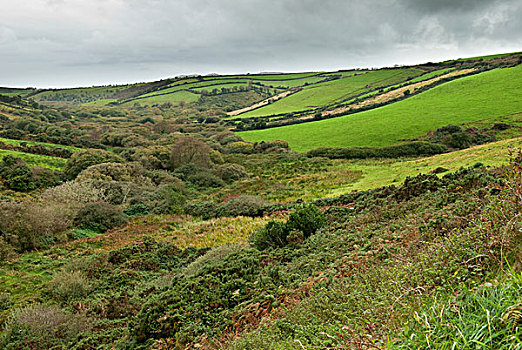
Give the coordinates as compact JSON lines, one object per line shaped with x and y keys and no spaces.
{"x":33,"y":143}
{"x":173,"y":97}
{"x":53,"y":163}
{"x":334,"y":91}
{"x":377,"y":173}
{"x":486,"y":95}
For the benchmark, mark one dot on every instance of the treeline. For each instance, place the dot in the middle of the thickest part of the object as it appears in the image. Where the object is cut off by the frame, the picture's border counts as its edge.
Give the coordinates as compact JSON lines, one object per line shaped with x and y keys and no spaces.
{"x":403,"y":150}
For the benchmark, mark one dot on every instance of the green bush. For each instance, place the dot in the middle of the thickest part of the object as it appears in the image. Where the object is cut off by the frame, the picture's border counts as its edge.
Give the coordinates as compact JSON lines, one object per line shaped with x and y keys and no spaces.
{"x":212,"y":256}
{"x":307,"y":219}
{"x":459,"y":140}
{"x":66,"y":286}
{"x":273,"y":235}
{"x":80,"y":161}
{"x":42,"y":327}
{"x":16,"y":174}
{"x":232,"y":172}
{"x":402,"y":150}
{"x":99,"y":216}
{"x":301,"y":224}
{"x":137,"y":210}
{"x":204,"y":210}
{"x":205,"y":179}
{"x":243,"y":205}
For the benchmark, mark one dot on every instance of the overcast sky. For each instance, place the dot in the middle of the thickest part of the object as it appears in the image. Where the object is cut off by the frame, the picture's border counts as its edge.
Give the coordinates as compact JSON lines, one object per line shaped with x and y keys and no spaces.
{"x":59,"y":43}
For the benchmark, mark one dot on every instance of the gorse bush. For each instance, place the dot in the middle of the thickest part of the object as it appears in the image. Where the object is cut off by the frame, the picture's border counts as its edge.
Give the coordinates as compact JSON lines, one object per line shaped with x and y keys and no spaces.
{"x":99,"y":216}
{"x":66,"y":286}
{"x":42,"y":327}
{"x":80,"y":161}
{"x":243,"y":205}
{"x":301,"y":224}
{"x":307,"y":219}
{"x":231,"y":172}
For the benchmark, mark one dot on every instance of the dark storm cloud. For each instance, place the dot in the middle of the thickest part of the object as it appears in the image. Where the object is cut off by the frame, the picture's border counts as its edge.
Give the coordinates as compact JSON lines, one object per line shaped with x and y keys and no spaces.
{"x":76,"y":42}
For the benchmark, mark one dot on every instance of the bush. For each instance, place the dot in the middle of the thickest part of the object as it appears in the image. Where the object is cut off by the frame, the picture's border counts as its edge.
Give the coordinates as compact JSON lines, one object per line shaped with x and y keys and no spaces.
{"x":459,"y":140}
{"x":243,"y":205}
{"x":137,"y":210}
{"x":16,"y":174}
{"x":232,"y":172}
{"x":205,"y":179}
{"x":44,"y":178}
{"x":99,"y":216}
{"x":205,"y":210}
{"x":75,"y":194}
{"x":307,"y":219}
{"x":42,"y":327}
{"x":240,"y":147}
{"x":81,"y":160}
{"x":273,"y":235}
{"x":403,"y":150}
{"x":66,"y":286}
{"x":190,"y":150}
{"x":212,"y":256}
{"x":169,"y":199}
{"x":301,"y":224}
{"x":28,"y":226}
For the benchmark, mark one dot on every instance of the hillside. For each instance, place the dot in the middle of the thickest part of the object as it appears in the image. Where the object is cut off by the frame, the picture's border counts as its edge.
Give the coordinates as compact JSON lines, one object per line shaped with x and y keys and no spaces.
{"x":157,"y":216}
{"x":486,"y":95}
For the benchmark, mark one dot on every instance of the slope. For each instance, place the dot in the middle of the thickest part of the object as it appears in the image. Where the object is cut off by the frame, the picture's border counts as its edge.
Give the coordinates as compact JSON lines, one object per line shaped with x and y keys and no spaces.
{"x":485,"y":95}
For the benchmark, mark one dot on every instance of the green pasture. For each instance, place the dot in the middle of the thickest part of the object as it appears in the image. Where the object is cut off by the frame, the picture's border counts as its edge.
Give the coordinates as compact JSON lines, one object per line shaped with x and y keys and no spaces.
{"x":33,"y":143}
{"x":175,"y":97}
{"x":53,"y":163}
{"x":385,"y":172}
{"x":334,"y":91}
{"x":486,"y":95}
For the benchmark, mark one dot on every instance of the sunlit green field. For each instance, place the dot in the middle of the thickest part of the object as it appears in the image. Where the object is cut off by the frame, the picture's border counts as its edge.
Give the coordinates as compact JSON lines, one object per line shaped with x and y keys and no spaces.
{"x":53,"y":163}
{"x":334,"y":91}
{"x":486,"y":95}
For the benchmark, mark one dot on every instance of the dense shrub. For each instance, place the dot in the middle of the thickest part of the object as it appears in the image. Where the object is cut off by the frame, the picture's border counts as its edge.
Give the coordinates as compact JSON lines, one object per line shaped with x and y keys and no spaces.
{"x":137,"y":210}
{"x":168,"y":199}
{"x":240,"y":147}
{"x":243,"y":205}
{"x":133,"y":172}
{"x":44,"y":177}
{"x":307,"y":219}
{"x":458,"y":140}
{"x":16,"y":174}
{"x":231,"y":172}
{"x":28,"y":226}
{"x":82,"y":160}
{"x":301,"y":224}
{"x":99,"y":216}
{"x":66,"y":286}
{"x":212,"y":256}
{"x":42,"y":327}
{"x":272,"y":235}
{"x":205,"y":210}
{"x":402,"y":150}
{"x":188,"y":150}
{"x":205,"y":179}
{"x":75,"y":194}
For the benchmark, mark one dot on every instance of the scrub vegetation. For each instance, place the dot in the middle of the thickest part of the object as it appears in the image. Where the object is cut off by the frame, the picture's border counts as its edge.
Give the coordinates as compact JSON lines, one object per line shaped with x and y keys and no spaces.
{"x":137,"y":217}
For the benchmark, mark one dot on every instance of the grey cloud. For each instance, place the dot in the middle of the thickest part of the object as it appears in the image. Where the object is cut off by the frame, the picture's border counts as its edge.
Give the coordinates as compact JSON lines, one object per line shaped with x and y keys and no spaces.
{"x":76,"y":42}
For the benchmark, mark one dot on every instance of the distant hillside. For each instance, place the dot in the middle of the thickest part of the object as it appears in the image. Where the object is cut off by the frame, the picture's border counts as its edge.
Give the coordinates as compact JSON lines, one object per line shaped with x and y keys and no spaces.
{"x":486,"y":95}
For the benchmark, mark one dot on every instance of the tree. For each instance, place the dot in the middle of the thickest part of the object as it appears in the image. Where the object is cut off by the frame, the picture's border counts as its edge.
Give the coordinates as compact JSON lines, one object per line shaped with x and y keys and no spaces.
{"x":187,"y":150}
{"x":84,"y":159}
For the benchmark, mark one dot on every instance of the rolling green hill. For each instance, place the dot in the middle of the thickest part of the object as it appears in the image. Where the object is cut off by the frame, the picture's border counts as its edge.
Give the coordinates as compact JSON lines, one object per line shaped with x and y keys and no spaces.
{"x":486,"y":95}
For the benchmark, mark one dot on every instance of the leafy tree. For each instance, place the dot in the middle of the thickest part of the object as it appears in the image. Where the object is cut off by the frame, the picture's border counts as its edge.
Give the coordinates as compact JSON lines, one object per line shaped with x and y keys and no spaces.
{"x":84,"y":159}
{"x":189,"y":150}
